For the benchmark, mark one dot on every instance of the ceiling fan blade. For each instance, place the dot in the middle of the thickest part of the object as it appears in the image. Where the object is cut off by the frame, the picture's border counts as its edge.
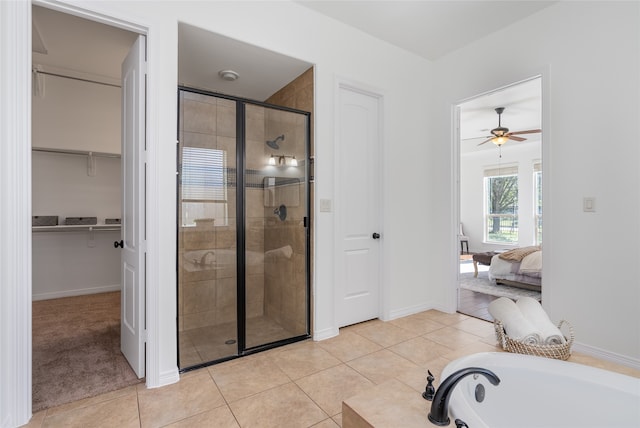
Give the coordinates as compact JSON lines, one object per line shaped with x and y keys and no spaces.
{"x":486,"y":141}
{"x":514,"y":138}
{"x":530,"y":131}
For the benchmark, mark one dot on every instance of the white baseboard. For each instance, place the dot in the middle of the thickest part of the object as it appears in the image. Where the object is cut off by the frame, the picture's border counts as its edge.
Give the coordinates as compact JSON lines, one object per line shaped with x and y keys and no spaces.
{"x":326,"y":333}
{"x":76,"y":292}
{"x":167,"y":378}
{"x":410,"y":310}
{"x":606,"y":355}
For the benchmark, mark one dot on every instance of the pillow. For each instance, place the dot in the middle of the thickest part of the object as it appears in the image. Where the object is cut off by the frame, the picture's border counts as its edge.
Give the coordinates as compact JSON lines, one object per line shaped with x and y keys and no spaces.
{"x":532,"y":263}
{"x":516,"y":255}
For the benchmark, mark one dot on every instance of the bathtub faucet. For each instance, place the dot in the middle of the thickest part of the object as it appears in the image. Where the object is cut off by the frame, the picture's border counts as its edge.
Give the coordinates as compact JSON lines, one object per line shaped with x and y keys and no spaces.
{"x":439,"y":414}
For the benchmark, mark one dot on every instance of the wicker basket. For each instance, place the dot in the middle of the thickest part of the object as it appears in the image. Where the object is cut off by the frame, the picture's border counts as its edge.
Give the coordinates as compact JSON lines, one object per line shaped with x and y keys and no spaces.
{"x":559,"y":352}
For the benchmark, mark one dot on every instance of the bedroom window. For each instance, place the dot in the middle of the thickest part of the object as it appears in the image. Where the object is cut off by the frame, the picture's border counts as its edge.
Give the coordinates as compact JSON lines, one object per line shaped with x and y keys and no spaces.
{"x":203,"y":189}
{"x":537,"y":203}
{"x":501,"y":207}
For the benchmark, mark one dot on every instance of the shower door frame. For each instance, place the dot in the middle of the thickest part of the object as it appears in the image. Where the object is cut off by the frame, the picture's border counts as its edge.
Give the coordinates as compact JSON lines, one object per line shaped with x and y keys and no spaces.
{"x":240,"y":166}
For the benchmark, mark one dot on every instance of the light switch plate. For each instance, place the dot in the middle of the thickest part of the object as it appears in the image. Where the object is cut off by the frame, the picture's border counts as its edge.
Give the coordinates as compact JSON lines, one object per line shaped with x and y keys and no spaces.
{"x":589,"y":204}
{"x":325,"y":205}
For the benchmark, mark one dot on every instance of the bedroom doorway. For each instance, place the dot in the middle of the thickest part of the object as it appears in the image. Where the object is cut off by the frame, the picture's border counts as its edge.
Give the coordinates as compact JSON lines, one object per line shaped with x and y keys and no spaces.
{"x":499,"y":192}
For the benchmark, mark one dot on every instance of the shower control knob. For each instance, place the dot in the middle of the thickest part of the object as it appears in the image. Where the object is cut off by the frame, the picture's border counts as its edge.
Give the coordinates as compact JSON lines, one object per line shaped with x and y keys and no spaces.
{"x":117,"y":244}
{"x":375,"y":235}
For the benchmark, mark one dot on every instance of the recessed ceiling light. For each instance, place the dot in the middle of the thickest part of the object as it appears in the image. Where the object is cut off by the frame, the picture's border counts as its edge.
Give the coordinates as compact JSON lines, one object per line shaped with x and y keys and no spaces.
{"x":228,"y":75}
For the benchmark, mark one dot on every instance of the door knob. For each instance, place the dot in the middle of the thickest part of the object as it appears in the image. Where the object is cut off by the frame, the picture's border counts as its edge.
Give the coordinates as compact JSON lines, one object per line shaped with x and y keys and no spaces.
{"x":117,"y":244}
{"x":375,"y":235}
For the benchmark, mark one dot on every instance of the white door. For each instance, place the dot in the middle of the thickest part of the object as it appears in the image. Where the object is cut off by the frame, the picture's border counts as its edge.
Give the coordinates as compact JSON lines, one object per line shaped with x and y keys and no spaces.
{"x":358,"y":219}
{"x":132,"y":328}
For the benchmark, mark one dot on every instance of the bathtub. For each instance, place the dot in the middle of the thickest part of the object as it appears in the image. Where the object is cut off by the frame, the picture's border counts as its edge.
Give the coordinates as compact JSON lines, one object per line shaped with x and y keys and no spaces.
{"x":540,"y":392}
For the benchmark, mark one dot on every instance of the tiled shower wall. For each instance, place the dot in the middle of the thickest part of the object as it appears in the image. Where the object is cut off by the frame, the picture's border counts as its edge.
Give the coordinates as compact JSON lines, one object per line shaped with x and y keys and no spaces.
{"x":207,"y":296}
{"x":284,"y":296}
{"x":275,"y":285}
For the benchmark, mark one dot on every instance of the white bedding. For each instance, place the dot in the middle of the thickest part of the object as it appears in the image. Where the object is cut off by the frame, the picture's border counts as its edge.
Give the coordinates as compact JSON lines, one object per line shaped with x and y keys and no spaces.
{"x":528,"y":271}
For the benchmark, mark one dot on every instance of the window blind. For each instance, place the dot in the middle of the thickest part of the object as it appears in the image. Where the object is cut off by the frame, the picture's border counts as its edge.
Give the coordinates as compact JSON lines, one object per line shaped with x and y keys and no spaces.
{"x":501,"y":171}
{"x":203,"y":174}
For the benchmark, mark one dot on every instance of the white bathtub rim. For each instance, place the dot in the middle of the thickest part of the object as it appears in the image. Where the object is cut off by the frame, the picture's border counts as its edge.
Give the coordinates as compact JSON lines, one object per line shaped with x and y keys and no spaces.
{"x":459,"y":406}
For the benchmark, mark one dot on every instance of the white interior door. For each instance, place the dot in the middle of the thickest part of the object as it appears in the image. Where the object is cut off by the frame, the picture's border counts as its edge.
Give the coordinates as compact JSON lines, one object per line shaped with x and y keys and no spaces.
{"x":132,"y":329}
{"x":358,"y":219}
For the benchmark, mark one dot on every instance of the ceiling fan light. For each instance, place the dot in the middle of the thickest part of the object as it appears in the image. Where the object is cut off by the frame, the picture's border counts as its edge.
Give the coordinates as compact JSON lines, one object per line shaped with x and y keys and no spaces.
{"x":498,"y":141}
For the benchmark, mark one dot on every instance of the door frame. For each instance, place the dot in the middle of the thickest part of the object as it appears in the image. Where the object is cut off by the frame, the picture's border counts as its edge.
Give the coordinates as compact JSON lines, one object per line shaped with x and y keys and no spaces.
{"x":383,"y":303}
{"x":15,"y":229}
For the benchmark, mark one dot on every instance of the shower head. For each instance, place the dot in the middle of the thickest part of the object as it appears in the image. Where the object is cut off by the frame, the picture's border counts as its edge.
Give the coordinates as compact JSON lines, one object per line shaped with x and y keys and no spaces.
{"x":274,"y":143}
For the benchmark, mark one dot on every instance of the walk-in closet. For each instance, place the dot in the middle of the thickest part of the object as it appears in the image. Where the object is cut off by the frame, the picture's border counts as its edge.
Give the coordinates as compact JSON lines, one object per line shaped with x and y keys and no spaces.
{"x":76,"y":208}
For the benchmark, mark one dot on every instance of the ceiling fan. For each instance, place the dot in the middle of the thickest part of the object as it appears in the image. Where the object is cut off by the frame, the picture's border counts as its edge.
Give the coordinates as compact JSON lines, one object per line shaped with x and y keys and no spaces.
{"x":501,"y":135}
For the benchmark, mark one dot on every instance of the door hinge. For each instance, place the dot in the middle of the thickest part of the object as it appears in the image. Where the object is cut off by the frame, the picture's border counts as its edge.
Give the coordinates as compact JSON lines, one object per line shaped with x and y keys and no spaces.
{"x":144,"y":336}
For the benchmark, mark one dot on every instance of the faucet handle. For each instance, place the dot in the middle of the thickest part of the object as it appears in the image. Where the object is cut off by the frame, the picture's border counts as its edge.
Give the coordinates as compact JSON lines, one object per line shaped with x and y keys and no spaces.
{"x":430,"y":390}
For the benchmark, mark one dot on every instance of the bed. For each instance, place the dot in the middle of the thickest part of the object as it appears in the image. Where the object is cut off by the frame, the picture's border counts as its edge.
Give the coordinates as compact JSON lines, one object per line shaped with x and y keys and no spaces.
{"x":521,"y":267}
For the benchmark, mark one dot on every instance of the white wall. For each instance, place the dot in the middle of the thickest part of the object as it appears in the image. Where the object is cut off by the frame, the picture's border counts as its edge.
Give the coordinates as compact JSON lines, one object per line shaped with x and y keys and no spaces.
{"x":69,"y":263}
{"x":472,"y":197}
{"x":588,"y":53}
{"x":76,"y":115}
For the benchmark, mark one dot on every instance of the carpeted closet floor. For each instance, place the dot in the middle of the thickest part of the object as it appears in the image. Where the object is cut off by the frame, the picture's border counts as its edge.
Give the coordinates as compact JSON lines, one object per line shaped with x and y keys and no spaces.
{"x":76,"y":349}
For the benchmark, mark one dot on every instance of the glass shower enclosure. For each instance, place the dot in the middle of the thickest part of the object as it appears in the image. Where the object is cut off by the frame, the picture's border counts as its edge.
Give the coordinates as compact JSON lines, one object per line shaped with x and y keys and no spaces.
{"x":243,"y":227}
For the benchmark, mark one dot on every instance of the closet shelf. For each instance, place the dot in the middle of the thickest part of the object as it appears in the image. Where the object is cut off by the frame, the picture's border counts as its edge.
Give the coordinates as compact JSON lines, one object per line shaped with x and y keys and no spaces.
{"x":77,"y":228}
{"x":76,"y":152}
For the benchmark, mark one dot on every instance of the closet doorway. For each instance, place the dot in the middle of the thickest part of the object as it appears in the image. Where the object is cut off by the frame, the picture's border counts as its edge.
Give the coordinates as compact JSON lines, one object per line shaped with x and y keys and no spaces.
{"x":77,"y":207}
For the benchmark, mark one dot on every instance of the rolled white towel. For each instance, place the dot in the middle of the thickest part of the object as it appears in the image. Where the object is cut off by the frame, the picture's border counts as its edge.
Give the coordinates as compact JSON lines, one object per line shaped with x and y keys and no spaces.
{"x":515,"y":324}
{"x":285,"y":252}
{"x":536,"y":315}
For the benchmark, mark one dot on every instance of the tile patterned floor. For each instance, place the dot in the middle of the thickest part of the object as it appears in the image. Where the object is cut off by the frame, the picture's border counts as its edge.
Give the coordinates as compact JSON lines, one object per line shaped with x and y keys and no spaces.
{"x":298,"y":385}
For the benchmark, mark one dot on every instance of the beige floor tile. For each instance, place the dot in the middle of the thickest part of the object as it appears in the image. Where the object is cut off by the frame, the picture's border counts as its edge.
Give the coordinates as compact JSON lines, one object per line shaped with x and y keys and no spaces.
{"x":330,"y":387}
{"x":476,"y":326}
{"x":417,"y":324}
{"x":420,"y":350}
{"x":386,"y":334}
{"x":602,"y":364}
{"x":451,"y":337}
{"x":280,"y":407}
{"x":391,"y":404}
{"x":119,"y":412}
{"x":469,"y":349}
{"x":36,"y":420}
{"x":195,"y":393}
{"x":416,"y":378}
{"x":381,"y":365}
{"x":129,"y":391}
{"x":443,"y":317}
{"x":327,"y":423}
{"x":216,"y":418}
{"x":247,"y":376}
{"x":338,"y":419}
{"x":348,"y":346}
{"x":303,"y":360}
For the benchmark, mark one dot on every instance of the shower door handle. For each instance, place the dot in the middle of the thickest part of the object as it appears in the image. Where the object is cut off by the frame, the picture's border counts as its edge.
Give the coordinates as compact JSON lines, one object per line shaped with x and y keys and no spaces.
{"x":375,"y":235}
{"x":117,"y":244}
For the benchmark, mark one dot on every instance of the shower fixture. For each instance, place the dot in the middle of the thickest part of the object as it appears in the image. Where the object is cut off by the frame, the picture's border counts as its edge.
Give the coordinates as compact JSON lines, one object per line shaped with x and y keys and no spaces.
{"x":274,"y":143}
{"x":282,"y":160}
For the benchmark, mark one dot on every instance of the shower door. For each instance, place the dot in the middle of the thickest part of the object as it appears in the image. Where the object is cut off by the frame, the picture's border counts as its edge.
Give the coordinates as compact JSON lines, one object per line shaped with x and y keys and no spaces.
{"x":243,"y":235}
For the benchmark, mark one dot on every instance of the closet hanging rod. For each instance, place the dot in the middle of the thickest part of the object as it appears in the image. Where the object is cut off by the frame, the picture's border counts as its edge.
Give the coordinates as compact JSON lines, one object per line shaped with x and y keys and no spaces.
{"x":75,"y":152}
{"x":48,"y":73}
{"x":77,"y":228}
